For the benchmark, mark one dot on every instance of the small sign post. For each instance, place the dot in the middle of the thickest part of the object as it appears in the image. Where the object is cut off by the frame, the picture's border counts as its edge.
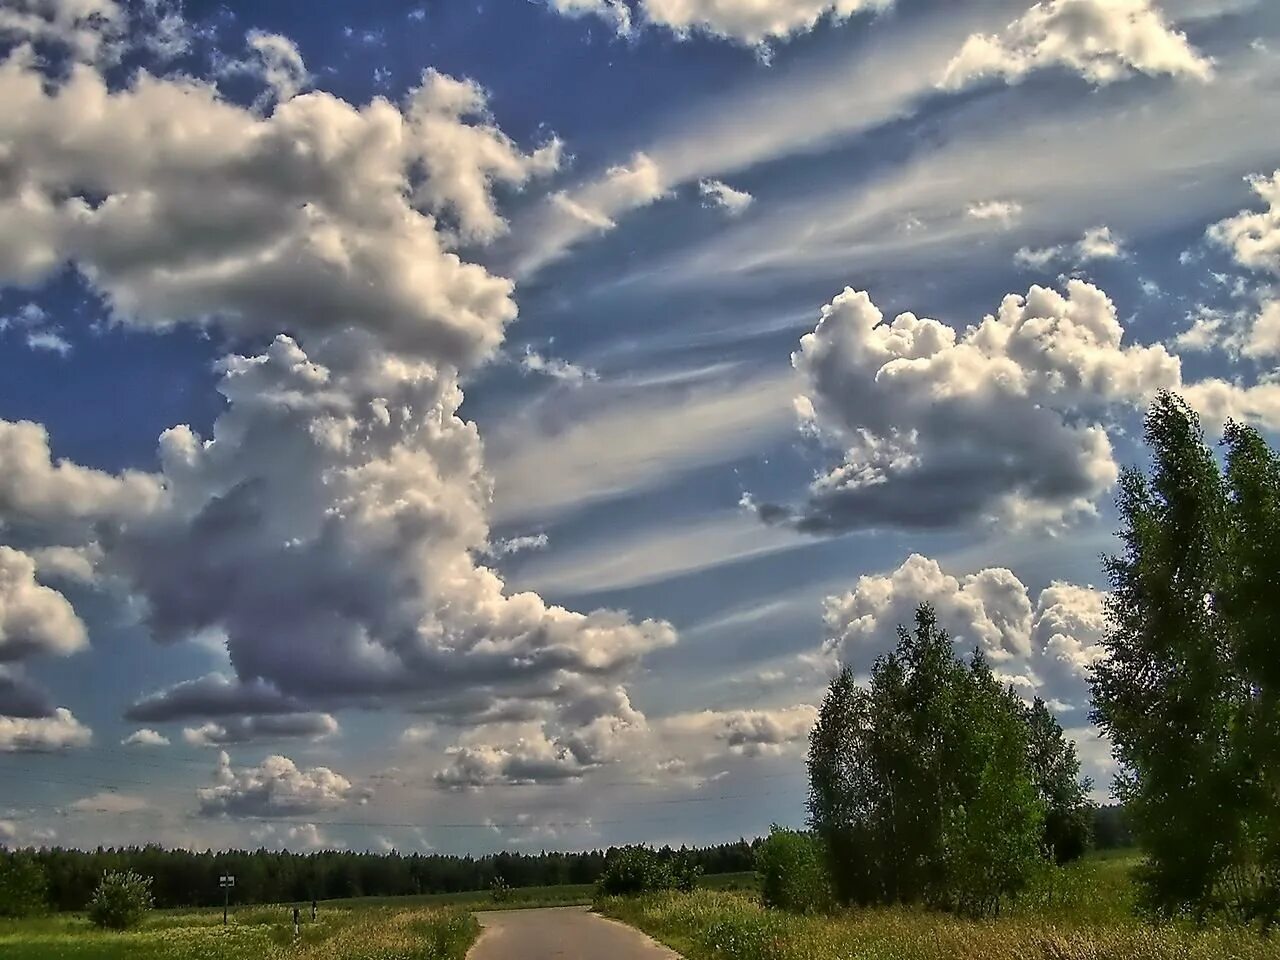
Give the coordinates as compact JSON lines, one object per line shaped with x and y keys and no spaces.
{"x":226,"y":882}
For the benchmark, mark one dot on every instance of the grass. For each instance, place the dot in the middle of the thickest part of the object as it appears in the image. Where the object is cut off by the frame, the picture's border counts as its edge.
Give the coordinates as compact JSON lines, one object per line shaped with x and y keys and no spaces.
{"x":1082,"y":913}
{"x":348,"y":933}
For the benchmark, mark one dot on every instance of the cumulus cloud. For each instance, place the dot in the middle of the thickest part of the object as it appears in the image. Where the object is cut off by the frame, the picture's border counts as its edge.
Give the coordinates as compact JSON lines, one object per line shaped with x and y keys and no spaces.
{"x":1043,"y":646}
{"x":289,"y":726}
{"x":178,"y":206}
{"x":597,"y":728}
{"x":333,"y":522}
{"x":86,"y":29}
{"x":61,"y":731}
{"x":296,"y":837}
{"x":940,"y":428}
{"x":63,"y":502}
{"x":1098,"y":243}
{"x":275,"y":788}
{"x":1253,"y":237}
{"x":1102,"y":40}
{"x":19,"y":697}
{"x":1264,"y":333}
{"x":750,"y":733}
{"x":34,"y":618}
{"x":145,"y":737}
{"x":719,"y":195}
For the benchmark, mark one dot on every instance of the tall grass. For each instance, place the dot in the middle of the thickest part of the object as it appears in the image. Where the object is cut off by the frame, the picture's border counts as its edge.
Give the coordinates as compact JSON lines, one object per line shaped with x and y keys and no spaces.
{"x":373,"y":933}
{"x":1082,"y":913}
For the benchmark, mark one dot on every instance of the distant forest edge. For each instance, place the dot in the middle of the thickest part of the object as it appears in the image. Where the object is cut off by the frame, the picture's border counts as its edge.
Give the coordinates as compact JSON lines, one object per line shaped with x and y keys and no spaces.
{"x":185,"y":878}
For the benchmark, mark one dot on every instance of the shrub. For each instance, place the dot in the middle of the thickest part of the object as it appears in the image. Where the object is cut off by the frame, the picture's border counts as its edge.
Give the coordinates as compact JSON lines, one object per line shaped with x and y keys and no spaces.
{"x":22,"y":886}
{"x":121,"y":900}
{"x":635,"y":870}
{"x":793,"y":872}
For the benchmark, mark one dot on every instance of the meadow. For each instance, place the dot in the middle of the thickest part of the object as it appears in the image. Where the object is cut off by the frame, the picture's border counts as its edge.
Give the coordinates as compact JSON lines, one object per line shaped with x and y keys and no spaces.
{"x":1082,"y":912}
{"x":262,"y":933}
{"x":426,"y":927}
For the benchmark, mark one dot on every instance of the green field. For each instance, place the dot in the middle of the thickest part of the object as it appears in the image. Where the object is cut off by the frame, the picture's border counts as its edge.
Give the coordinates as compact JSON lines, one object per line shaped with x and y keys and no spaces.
{"x":427,"y":927}
{"x":1083,"y":912}
{"x":264,"y":933}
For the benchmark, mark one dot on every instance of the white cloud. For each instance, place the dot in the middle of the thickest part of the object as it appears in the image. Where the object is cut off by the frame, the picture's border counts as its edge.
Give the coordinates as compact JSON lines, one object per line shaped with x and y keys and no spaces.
{"x":276,"y":61}
{"x":1254,"y":237}
{"x":615,"y":11}
{"x":16,"y":835}
{"x":1102,"y":40}
{"x":111,"y":803}
{"x":318,"y":217}
{"x":85,"y":28}
{"x":1098,"y":243}
{"x":1264,"y":332}
{"x":750,"y":733}
{"x":1003,"y":212}
{"x":340,"y":451}
{"x":49,"y":341}
{"x":275,"y":788}
{"x":569,"y":216}
{"x":146,"y":737}
{"x":718,"y":194}
{"x":749,"y":22}
{"x":1043,"y":646}
{"x":34,"y":618}
{"x":44,"y":734}
{"x":298,"y":837}
{"x":555,"y":367}
{"x":940,"y":428}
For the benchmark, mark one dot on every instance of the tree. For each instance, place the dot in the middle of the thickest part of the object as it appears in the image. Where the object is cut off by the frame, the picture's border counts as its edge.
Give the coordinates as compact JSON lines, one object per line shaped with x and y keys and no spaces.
{"x":921,"y":785}
{"x":793,"y":874}
{"x":23,"y":885}
{"x":1189,"y":688}
{"x":1055,"y":771}
{"x":121,"y":901}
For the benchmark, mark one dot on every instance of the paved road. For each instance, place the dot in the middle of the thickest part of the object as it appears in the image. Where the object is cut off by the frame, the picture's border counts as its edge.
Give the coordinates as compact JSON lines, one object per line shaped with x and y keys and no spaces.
{"x":567,"y":933}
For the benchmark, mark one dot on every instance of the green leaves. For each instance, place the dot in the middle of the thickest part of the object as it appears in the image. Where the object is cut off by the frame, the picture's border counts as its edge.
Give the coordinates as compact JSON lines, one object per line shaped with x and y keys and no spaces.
{"x":1189,"y":690}
{"x":931,"y":784}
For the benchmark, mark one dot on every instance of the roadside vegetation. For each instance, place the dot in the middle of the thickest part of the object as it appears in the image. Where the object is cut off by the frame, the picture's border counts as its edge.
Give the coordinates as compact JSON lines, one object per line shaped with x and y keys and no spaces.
{"x":264,"y":933}
{"x":948,"y":820}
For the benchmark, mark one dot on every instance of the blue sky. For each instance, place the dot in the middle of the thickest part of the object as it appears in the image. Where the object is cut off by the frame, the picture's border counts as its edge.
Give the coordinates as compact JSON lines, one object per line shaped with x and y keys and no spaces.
{"x":469,"y":426}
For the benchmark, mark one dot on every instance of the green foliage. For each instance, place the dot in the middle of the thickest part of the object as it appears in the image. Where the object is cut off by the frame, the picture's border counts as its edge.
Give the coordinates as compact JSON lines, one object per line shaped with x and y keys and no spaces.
{"x":633,"y":870}
{"x":932,"y":783}
{"x":793,"y":872}
{"x":121,"y":901}
{"x":23,"y":886}
{"x":1189,"y":692}
{"x":711,"y":926}
{"x":1055,"y":771}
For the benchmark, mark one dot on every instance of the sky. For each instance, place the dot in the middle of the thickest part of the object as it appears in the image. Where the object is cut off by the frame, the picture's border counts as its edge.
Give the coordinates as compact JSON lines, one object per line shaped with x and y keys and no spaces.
{"x":457,"y":427}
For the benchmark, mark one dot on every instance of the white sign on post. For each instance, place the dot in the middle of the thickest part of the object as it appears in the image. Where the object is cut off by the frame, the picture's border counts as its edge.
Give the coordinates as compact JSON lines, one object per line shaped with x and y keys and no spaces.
{"x":226,"y":881}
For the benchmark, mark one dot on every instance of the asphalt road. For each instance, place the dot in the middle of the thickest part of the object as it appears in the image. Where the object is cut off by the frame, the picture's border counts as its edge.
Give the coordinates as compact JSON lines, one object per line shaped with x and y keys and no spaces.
{"x":566,"y":933}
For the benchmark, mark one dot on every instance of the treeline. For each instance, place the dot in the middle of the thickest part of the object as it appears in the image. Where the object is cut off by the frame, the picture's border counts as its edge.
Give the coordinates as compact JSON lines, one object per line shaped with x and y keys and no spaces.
{"x":184,"y":878}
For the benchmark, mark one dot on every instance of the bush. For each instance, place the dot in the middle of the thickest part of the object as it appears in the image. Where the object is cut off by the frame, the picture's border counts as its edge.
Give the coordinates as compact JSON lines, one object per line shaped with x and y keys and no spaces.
{"x":793,"y":872}
{"x":121,"y":900}
{"x":635,"y":870}
{"x":22,"y":886}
